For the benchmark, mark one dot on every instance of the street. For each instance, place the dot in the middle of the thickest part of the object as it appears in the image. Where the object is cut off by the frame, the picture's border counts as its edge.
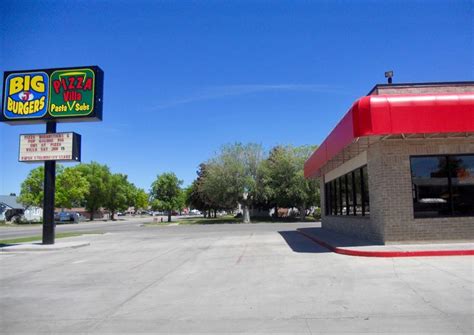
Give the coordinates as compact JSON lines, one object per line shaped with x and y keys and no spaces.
{"x":229,"y":278}
{"x":11,"y":232}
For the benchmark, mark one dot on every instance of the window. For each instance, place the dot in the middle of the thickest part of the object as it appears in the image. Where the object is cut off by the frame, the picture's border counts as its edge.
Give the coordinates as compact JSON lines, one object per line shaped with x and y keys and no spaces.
{"x":339,"y":196}
{"x":442,"y":185}
{"x":348,"y":194}
{"x":333,"y":198}
{"x":358,"y":192}
{"x":462,"y":184}
{"x":365,"y":191}
{"x":342,"y":181}
{"x":327,"y":196}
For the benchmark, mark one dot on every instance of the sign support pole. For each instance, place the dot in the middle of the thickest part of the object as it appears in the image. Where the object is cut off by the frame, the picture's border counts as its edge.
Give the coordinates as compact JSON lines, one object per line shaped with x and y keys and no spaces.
{"x":49,"y":190}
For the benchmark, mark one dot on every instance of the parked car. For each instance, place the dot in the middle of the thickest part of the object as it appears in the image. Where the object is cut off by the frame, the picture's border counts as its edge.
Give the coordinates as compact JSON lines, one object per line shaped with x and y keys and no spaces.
{"x":72,"y":217}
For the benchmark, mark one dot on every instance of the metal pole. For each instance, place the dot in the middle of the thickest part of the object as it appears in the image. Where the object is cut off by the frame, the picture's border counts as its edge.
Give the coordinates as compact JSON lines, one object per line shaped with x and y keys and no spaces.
{"x":49,"y":190}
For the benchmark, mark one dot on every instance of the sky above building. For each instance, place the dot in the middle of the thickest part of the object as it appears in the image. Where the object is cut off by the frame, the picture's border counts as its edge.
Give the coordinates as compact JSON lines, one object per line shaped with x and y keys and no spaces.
{"x":183,"y":78}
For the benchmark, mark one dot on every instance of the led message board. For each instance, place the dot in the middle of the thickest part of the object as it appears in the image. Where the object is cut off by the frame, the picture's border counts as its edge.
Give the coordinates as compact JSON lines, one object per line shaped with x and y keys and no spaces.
{"x":50,"y":147}
{"x":60,"y":95}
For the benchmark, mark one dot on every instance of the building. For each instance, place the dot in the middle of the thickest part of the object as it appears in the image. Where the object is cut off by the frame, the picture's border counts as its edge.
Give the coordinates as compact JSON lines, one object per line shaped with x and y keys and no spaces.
{"x":399,"y":166}
{"x":11,"y":209}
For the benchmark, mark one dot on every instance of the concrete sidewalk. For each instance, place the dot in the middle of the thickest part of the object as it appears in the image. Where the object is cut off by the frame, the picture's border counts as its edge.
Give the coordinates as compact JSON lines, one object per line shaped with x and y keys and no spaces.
{"x":346,"y":245}
{"x":229,"y":279}
{"x":38,"y":246}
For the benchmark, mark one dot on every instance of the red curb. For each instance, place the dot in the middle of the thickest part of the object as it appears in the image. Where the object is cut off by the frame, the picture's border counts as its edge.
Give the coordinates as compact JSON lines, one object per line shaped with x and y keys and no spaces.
{"x":420,"y":253}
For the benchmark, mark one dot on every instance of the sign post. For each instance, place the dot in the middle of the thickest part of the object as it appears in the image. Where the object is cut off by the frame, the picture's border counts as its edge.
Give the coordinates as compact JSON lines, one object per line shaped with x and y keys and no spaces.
{"x":51,"y":96}
{"x":49,"y":191}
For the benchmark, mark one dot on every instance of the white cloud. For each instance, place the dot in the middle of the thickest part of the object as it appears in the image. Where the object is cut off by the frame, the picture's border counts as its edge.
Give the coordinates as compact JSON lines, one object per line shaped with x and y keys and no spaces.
{"x":217,"y":92}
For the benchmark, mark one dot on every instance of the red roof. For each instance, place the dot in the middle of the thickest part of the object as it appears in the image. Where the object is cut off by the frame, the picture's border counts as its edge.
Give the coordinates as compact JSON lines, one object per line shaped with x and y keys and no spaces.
{"x":377,"y":115}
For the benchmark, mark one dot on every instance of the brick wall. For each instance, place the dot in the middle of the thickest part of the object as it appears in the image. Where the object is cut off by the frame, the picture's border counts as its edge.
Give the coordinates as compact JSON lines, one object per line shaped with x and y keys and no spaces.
{"x":391,"y":192}
{"x":391,"y":204}
{"x":360,"y":226}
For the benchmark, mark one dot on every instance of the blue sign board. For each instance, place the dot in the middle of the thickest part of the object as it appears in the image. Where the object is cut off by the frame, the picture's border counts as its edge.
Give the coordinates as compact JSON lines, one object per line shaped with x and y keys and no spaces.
{"x":26,"y":95}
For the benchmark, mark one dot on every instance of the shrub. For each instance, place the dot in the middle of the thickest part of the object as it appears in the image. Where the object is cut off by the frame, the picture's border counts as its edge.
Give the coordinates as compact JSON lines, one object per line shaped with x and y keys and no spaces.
{"x":317,"y":213}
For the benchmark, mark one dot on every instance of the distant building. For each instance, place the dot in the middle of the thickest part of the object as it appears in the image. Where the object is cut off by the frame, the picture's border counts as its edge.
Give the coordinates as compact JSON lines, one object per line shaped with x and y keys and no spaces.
{"x":11,"y":208}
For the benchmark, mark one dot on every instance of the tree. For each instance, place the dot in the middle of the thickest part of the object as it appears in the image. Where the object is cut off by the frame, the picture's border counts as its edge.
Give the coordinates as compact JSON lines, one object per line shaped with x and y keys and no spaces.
{"x":32,"y":188}
{"x":140,"y":199}
{"x":276,"y":177}
{"x":70,"y":188}
{"x":181,"y":201}
{"x":197,"y":198}
{"x":194,"y":198}
{"x":231,"y":177}
{"x":98,"y":177}
{"x":166,"y":193}
{"x":305,"y":193}
{"x":282,"y":180}
{"x":118,"y":195}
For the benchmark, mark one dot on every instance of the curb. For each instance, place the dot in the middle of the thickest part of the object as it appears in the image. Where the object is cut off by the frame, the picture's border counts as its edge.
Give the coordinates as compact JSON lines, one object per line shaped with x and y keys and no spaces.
{"x":387,"y":254}
{"x":39,"y":248}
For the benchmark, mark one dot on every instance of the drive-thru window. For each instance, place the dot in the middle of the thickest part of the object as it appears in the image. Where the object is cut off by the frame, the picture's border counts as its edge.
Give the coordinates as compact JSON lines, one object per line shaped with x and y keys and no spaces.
{"x":399,"y":166}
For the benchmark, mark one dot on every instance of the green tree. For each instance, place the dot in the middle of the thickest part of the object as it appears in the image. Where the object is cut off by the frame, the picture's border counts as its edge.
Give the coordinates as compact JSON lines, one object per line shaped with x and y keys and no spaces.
{"x":70,"y":187}
{"x":98,"y":177}
{"x":182,"y":201}
{"x":194,"y":198}
{"x":197,"y":198}
{"x":118,"y":195}
{"x":32,"y":188}
{"x":231,"y":177}
{"x":140,"y":199}
{"x":282,"y":181}
{"x":166,"y":193}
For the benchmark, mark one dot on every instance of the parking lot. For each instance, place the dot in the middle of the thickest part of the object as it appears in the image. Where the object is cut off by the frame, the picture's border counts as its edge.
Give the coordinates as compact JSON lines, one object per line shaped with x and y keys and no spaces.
{"x":231,"y":278}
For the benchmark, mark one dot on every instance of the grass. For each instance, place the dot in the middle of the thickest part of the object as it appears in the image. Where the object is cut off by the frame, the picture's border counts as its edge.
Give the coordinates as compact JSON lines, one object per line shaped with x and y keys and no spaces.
{"x":196,"y":220}
{"x":158,"y":223}
{"x":228,"y":219}
{"x":200,"y":220}
{"x":38,"y":237}
{"x":26,"y":224}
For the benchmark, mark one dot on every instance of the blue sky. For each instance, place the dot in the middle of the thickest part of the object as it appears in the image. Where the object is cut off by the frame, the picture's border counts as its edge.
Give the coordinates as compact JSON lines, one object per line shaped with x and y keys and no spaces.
{"x":182,"y":78}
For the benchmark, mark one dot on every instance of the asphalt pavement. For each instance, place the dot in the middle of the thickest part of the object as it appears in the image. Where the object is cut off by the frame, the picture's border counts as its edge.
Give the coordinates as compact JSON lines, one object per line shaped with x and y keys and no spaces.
{"x":229,"y":279}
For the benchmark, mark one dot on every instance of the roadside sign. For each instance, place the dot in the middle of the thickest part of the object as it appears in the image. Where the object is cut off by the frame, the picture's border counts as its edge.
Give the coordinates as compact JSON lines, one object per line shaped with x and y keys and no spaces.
{"x":25,"y":95}
{"x":50,"y":147}
{"x":60,"y":95}
{"x":50,"y":96}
